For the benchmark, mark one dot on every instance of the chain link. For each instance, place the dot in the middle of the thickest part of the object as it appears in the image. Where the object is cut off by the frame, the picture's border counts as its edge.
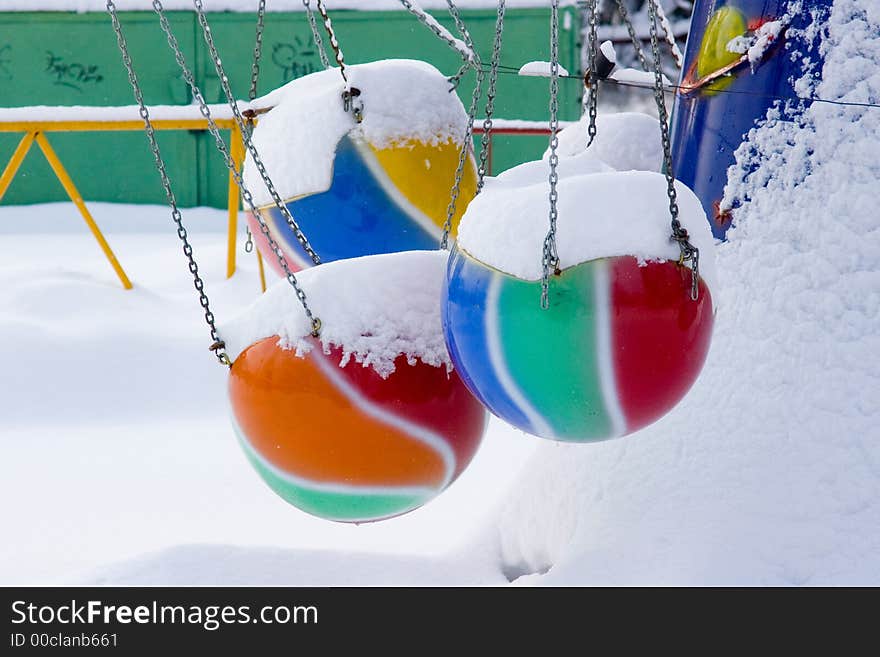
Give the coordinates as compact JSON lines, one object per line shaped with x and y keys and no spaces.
{"x":466,"y":146}
{"x":350,"y":95}
{"x":236,"y":113}
{"x":462,"y":29}
{"x":669,"y":36}
{"x":636,"y":42}
{"x":314,"y":321}
{"x":316,"y":34}
{"x":218,"y":346}
{"x":252,"y":94}
{"x":258,"y":50}
{"x":334,"y":42}
{"x":550,"y":256}
{"x":490,"y":96}
{"x":466,"y":37}
{"x":593,"y":86}
{"x":425,"y":19}
{"x":218,"y":139}
{"x":688,"y":252}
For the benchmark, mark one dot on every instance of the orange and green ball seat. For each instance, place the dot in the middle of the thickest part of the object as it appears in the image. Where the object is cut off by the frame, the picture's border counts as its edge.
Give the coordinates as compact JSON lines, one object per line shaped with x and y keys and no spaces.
{"x":344,"y":444}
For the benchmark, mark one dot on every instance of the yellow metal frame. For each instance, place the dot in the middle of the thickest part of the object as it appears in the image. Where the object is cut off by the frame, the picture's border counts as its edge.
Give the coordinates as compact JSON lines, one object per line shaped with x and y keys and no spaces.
{"x":35,"y":131}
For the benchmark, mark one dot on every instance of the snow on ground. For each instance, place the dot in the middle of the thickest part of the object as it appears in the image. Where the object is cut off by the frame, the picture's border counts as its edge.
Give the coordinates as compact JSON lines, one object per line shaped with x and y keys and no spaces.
{"x":115,"y":431}
{"x":205,"y":565}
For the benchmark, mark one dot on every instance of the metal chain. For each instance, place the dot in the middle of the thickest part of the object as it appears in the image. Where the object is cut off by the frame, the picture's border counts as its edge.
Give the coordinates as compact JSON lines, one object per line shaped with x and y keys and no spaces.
{"x":688,"y":252}
{"x":466,"y":146}
{"x":252,"y":93}
{"x":218,"y":346}
{"x":258,"y":50}
{"x":669,"y":36}
{"x":490,"y":96}
{"x":316,"y":34}
{"x":584,"y":19}
{"x":334,"y":43}
{"x":636,"y":42}
{"x":236,"y":113}
{"x":468,"y":41}
{"x":550,"y":256}
{"x":425,"y":19}
{"x":593,"y":86}
{"x":230,"y":164}
{"x":350,"y":95}
{"x":462,"y":30}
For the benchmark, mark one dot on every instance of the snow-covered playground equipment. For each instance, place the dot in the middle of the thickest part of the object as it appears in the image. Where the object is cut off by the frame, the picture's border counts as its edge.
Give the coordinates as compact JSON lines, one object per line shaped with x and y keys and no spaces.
{"x":738,"y":65}
{"x":582,"y":321}
{"x":622,"y":341}
{"x":378,"y":185}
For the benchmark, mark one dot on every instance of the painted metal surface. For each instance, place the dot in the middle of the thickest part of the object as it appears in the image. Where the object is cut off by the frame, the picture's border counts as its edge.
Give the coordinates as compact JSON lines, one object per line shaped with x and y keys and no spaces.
{"x":724,"y":94}
{"x":380,"y":201}
{"x":620,"y":345}
{"x":344,"y":444}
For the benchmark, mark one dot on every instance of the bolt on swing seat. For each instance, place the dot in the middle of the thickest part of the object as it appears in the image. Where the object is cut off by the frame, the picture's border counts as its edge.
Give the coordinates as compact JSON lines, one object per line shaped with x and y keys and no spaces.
{"x":622,"y":340}
{"x":378,"y":186}
{"x":368,"y":421}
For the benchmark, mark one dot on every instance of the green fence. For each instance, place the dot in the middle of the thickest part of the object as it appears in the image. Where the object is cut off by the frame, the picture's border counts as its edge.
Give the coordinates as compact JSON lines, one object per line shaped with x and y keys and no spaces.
{"x":72,"y":59}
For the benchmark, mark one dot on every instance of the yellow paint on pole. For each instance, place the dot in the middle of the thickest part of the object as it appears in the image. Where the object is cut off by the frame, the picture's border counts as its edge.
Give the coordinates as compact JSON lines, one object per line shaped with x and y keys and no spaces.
{"x":66,"y":182}
{"x":262,"y":271}
{"x":33,"y":132}
{"x":15,"y":162}
{"x":110,"y":126}
{"x":236,"y":152}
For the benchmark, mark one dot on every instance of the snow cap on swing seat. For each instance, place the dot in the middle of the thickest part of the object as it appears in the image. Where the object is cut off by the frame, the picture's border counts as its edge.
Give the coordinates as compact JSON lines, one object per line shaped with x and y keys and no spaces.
{"x":404,"y":100}
{"x":625,"y":141}
{"x":604,"y":214}
{"x":373,"y":309}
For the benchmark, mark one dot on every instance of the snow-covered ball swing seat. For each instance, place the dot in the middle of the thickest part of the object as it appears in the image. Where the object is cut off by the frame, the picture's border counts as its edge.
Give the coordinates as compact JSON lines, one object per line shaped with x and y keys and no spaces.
{"x":592,"y":318}
{"x":359,"y":418}
{"x":626,"y":328}
{"x":360,"y":183}
{"x":368,"y":421}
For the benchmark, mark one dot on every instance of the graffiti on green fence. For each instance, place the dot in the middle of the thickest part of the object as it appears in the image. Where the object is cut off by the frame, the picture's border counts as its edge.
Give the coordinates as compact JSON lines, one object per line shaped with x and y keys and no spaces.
{"x":71,"y":74}
{"x":295,"y":59}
